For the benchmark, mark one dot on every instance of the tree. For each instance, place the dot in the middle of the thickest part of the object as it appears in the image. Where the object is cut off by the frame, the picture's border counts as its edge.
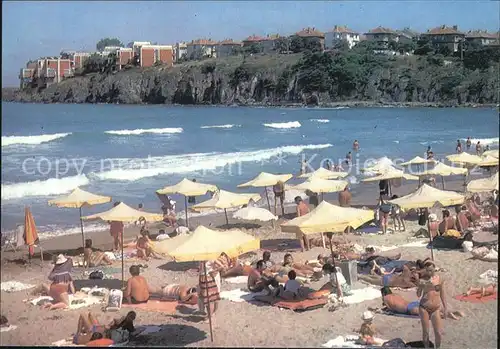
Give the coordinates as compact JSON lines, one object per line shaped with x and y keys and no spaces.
{"x":282,"y":44}
{"x":312,"y":44}
{"x":254,"y":48}
{"x":108,"y":42}
{"x":423,"y":48}
{"x":94,"y":64}
{"x":444,"y":50}
{"x":296,"y":44}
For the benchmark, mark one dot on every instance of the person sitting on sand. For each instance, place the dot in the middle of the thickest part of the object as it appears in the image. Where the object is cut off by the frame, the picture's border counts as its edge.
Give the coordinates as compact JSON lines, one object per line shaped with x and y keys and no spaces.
{"x":447,"y":223}
{"x":292,"y":288}
{"x":266,"y":257}
{"x":175,"y":292}
{"x":367,"y":330}
{"x":62,"y":284}
{"x":144,"y":245}
{"x":462,"y":222}
{"x":432,"y":293}
{"x":397,"y":304}
{"x":404,"y":280}
{"x":93,"y":258}
{"x":137,"y":290}
{"x":302,"y":210}
{"x":4,"y":322}
{"x":258,"y":281}
{"x":331,"y":285}
{"x":302,"y":270}
{"x":484,"y":291}
{"x":88,"y":326}
{"x":345,"y":197}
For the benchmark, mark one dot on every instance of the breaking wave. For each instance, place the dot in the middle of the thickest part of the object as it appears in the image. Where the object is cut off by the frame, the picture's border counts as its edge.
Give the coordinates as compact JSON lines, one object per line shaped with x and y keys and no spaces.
{"x":285,"y":125}
{"x":140,"y":131}
{"x":11,"y":140}
{"x":52,"y":186}
{"x":323,"y":121}
{"x":221,"y":126}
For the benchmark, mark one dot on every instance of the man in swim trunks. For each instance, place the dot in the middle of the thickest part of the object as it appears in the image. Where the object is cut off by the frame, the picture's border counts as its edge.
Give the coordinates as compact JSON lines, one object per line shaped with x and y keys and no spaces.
{"x":479,"y":148}
{"x":257,"y":281}
{"x":116,"y":231}
{"x":468,"y":143}
{"x":175,"y":292}
{"x":302,"y":210}
{"x":345,"y":197}
{"x":279,"y":194}
{"x":137,"y":290}
{"x":355,"y":145}
{"x":459,"y":146}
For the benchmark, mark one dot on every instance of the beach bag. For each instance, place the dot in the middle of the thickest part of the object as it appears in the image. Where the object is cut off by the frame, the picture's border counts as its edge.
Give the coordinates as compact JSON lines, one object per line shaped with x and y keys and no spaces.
{"x":394,"y":343}
{"x":96,"y":275}
{"x":119,"y":335}
{"x":422,"y":219}
{"x":115,"y":298}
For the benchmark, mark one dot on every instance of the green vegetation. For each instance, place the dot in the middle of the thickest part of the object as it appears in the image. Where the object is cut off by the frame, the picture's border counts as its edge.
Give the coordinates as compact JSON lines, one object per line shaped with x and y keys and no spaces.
{"x":101,"y":44}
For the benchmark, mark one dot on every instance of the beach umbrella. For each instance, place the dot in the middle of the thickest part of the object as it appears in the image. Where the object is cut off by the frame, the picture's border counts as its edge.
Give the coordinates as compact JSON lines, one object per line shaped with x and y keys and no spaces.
{"x":327,"y":218}
{"x":204,"y":245}
{"x":323,"y":173}
{"x":254,"y":214}
{"x":417,"y":160}
{"x":188,"y":188}
{"x":30,"y":232}
{"x":265,"y":180}
{"x":124,"y":213}
{"x":483,"y":184}
{"x":488,"y":161}
{"x":443,"y":170}
{"x":380,"y":165}
{"x":77,"y":199}
{"x":464,"y":159}
{"x":390,"y":174}
{"x":225,"y":199}
{"x":492,"y":152}
{"x":426,"y":197}
{"x":319,"y":185}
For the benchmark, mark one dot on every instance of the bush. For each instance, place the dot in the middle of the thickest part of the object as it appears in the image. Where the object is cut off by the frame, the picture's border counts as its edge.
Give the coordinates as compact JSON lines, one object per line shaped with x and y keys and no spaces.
{"x":208,"y":68}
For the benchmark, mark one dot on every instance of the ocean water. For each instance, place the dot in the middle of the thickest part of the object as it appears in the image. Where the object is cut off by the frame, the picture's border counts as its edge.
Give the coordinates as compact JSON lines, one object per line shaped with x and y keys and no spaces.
{"x":128,"y":152}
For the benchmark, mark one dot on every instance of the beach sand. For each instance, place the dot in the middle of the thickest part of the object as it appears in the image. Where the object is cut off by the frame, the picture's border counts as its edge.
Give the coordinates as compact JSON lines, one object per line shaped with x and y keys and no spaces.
{"x":245,"y":324}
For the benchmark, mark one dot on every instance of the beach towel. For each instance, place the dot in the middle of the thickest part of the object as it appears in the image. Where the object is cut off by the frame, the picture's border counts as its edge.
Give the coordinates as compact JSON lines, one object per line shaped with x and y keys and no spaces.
{"x":240,"y":295}
{"x":386,"y":311}
{"x":155,"y":306}
{"x":77,"y":300}
{"x":362,"y":294}
{"x":348,"y":342}
{"x":14,"y":286}
{"x":8,"y":328}
{"x":476,"y":298}
{"x":295,"y":305}
{"x":237,"y":280}
{"x":489,"y":276}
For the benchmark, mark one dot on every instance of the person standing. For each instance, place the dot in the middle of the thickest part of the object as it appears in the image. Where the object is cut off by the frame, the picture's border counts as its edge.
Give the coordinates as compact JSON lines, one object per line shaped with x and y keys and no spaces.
{"x":328,"y":165}
{"x":479,"y":148}
{"x":348,"y":158}
{"x":459,"y":146}
{"x":279,"y":194}
{"x":345,"y":197}
{"x":355,"y":145}
{"x":468,"y":143}
{"x":302,"y":210}
{"x":116,"y":231}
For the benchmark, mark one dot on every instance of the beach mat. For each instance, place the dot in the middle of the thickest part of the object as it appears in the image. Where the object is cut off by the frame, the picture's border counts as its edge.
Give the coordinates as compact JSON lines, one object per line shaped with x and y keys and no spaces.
{"x":476,"y":298}
{"x":295,"y":305}
{"x":155,"y":306}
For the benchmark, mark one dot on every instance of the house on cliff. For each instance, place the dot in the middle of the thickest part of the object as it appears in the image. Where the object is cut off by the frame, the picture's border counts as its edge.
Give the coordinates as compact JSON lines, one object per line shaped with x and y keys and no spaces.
{"x":201,"y":48}
{"x":444,"y":37}
{"x":340,"y":34}
{"x":228,"y":47}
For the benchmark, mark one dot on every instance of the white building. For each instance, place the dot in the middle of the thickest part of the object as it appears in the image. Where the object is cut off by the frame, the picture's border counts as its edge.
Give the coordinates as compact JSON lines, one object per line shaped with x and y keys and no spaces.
{"x":136,"y":46}
{"x":206,"y":48}
{"x":181,"y":51}
{"x":340,"y":34}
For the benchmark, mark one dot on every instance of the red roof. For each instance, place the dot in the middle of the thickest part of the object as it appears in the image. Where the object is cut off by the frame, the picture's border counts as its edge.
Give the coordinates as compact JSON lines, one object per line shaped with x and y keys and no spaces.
{"x":382,"y":30}
{"x":229,"y":42}
{"x":444,"y":30}
{"x":310,"y":33}
{"x":343,"y":29}
{"x":202,"y":42}
{"x":482,"y":34}
{"x":255,"y":38}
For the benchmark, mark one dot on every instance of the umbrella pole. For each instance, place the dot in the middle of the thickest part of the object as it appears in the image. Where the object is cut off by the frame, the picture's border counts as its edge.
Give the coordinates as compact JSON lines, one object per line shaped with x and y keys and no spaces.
{"x":442,"y":181}
{"x":227,"y":220}
{"x":339,"y":291}
{"x":81,"y":226}
{"x":123,"y":276}
{"x":322,"y":197}
{"x":430,"y":235}
{"x":268,"y":203}
{"x":208,"y":305}
{"x":186,"y":210}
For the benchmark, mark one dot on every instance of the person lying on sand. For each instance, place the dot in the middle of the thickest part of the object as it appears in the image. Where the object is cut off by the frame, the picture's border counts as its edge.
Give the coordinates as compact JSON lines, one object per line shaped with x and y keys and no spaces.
{"x":407,"y":279}
{"x":230,"y":267}
{"x":88,"y":326}
{"x":397,"y":304}
{"x":93,"y":258}
{"x":62,"y":284}
{"x":175,"y":292}
{"x":258,"y":281}
{"x":302,"y":270}
{"x":137,"y":290}
{"x":488,"y":290}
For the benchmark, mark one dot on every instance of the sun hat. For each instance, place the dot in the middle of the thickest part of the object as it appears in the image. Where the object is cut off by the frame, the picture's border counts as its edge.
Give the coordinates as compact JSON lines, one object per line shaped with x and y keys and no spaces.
{"x":433,"y":217}
{"x":367,"y":315}
{"x":60,"y":259}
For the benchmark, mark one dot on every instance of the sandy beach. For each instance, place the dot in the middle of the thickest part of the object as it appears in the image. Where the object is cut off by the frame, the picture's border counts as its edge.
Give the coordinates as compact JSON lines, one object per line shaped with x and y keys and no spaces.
{"x":257,"y":325}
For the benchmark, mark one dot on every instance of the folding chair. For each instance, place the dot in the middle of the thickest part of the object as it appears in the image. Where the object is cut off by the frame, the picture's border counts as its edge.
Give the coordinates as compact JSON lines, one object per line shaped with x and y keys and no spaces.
{"x":9,"y":241}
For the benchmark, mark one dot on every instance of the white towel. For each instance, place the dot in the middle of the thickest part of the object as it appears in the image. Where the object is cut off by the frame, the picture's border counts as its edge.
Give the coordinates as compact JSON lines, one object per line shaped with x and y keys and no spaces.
{"x":237,"y":280}
{"x":240,"y":295}
{"x":363,"y":294}
{"x":89,"y":300}
{"x":8,"y":328}
{"x":14,"y":286}
{"x":347,"y":342}
{"x":489,"y":276}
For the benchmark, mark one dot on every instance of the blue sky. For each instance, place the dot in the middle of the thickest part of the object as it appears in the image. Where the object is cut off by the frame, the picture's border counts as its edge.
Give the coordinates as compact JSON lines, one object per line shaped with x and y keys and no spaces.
{"x":38,"y":28}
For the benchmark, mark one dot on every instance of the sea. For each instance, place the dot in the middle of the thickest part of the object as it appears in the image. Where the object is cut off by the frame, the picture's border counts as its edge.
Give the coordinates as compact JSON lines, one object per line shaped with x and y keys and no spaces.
{"x":129,"y":152}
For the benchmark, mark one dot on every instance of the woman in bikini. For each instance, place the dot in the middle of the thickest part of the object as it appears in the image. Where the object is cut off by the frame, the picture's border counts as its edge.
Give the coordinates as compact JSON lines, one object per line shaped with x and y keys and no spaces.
{"x":229,"y":267}
{"x":144,"y":245}
{"x":407,"y":279}
{"x":302,"y":270}
{"x":177,"y":292}
{"x":431,"y":291}
{"x":62,"y":284}
{"x":93,"y":258}
{"x":484,"y":291}
{"x":279,"y":194}
{"x":88,"y":327}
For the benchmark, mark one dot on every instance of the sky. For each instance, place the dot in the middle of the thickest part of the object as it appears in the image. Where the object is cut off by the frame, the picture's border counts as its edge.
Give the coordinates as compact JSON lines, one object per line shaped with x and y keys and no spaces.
{"x":32,"y":29}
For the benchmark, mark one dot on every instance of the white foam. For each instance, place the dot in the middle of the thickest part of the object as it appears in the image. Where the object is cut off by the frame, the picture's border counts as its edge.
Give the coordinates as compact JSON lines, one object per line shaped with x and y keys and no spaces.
{"x":432,"y":142}
{"x":323,"y":121}
{"x":397,"y":142}
{"x":135,"y":169}
{"x":52,"y":186}
{"x":475,"y":140}
{"x":140,"y":131}
{"x":291,"y":124}
{"x":10,"y":140}
{"x":221,"y":126}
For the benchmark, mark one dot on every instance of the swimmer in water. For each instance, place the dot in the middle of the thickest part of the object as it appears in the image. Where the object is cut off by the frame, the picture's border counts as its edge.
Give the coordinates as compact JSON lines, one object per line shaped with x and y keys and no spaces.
{"x":459,"y":147}
{"x":355,"y":145}
{"x":468,"y":143}
{"x":328,"y":165}
{"x":348,"y":158}
{"x":479,"y":148}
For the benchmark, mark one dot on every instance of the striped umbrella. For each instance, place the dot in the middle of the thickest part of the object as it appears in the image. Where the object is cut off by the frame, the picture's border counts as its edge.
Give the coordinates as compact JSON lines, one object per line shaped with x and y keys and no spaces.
{"x":30,"y":233}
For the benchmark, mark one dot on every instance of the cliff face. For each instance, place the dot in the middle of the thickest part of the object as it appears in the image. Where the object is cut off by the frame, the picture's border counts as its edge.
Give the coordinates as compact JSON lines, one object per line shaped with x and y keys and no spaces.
{"x":274,"y":80}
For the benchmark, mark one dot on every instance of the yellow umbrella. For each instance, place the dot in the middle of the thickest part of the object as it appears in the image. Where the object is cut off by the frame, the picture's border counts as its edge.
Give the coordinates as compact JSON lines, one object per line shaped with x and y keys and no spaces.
{"x":225,"y":199}
{"x":464,"y":158}
{"x":265,"y":179}
{"x":443,"y":170}
{"x":254,"y":214}
{"x":319,"y":185}
{"x":205,"y":244}
{"x":493,"y":152}
{"x":379,"y":166}
{"x":188,"y":188}
{"x":417,"y":160}
{"x":77,"y":199}
{"x":483,"y":184}
{"x":323,"y":173}
{"x":327,"y":218}
{"x":488,"y":161}
{"x":426,"y":196}
{"x":124,"y":213}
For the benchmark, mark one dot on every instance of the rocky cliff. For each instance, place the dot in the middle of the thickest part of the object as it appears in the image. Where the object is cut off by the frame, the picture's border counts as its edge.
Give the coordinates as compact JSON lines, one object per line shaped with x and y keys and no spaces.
{"x":320,"y":79}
